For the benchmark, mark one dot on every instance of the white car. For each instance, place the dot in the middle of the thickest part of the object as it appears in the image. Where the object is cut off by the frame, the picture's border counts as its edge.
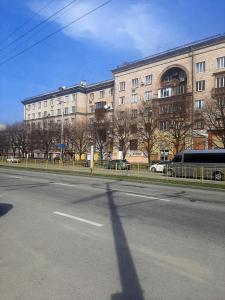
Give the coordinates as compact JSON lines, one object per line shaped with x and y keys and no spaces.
{"x":158,"y":167}
{"x":13,"y":160}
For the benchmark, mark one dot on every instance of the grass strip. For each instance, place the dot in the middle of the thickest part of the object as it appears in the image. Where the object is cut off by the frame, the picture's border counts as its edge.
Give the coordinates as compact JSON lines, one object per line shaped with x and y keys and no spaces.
{"x":132,"y":178}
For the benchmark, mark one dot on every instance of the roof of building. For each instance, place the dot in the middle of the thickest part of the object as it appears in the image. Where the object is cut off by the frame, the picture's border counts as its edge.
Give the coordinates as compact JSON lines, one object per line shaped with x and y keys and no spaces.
{"x":82,"y":87}
{"x":210,"y":41}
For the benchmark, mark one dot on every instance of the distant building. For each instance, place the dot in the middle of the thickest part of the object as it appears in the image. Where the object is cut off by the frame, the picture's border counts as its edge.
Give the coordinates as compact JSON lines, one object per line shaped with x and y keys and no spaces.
{"x":2,"y":127}
{"x":182,"y":78}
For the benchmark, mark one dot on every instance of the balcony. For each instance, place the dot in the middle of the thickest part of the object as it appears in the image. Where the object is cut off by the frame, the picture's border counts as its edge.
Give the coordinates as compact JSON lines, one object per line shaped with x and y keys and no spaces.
{"x":172,"y":91}
{"x":216,"y":92}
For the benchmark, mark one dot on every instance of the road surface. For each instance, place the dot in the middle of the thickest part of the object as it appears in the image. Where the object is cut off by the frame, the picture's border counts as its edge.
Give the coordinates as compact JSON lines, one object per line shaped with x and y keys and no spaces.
{"x":68,"y":237}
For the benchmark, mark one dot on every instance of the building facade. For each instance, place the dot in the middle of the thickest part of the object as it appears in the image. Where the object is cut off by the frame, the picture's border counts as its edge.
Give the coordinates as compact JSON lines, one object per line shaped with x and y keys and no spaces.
{"x":180,"y":80}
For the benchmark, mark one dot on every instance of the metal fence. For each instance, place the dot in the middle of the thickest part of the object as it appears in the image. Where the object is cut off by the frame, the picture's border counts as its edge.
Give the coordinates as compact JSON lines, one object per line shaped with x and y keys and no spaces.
{"x":188,"y":174}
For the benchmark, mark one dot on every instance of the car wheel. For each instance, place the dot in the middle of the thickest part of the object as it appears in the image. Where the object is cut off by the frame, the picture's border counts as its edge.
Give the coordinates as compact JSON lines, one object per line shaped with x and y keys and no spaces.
{"x":153,"y":170}
{"x":218,"y":176}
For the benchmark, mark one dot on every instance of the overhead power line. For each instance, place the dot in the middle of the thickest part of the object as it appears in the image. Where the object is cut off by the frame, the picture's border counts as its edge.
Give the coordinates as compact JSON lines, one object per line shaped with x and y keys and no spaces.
{"x":36,"y":26}
{"x":55,"y":32}
{"x":36,"y":32}
{"x":26,"y":22}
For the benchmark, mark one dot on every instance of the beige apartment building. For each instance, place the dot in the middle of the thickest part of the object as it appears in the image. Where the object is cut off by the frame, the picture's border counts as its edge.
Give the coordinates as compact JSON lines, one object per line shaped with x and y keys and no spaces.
{"x":186,"y":77}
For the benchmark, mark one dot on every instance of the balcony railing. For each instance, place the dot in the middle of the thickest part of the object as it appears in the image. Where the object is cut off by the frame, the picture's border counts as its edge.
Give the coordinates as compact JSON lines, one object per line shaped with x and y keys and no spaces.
{"x":218,"y":91}
{"x":172,"y":91}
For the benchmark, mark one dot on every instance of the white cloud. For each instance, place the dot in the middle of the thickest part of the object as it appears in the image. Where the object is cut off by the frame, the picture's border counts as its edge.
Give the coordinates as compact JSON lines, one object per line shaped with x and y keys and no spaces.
{"x":120,"y":24}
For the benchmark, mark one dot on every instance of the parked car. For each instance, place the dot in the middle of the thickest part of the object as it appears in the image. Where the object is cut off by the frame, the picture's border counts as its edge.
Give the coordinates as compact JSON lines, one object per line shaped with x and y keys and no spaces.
{"x":120,"y":164}
{"x":208,"y":164}
{"x":13,"y":160}
{"x":158,"y":167}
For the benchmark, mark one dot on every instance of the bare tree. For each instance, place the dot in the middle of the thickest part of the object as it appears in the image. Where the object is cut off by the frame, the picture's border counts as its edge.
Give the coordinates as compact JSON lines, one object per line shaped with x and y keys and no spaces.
{"x":48,"y":136}
{"x":147,"y":131}
{"x":122,"y":131}
{"x":4,"y":142}
{"x":99,"y":130}
{"x":79,"y":138}
{"x":214,"y":117}
{"x":177,"y":126}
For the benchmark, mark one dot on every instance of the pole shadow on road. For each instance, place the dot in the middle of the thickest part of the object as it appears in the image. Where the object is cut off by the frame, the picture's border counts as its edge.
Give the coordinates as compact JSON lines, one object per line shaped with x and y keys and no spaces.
{"x":131,"y":288}
{"x":5,"y":208}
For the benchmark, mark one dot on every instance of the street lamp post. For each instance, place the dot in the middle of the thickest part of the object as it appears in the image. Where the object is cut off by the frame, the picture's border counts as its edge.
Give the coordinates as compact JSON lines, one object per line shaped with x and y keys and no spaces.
{"x":62,"y":124}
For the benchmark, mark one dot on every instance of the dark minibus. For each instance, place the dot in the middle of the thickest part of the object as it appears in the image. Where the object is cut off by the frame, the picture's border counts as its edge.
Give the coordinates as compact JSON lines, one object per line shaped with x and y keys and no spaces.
{"x":208,"y":164}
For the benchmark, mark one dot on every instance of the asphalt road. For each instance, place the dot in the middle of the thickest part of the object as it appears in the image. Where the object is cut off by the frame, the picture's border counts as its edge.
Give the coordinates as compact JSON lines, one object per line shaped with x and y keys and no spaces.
{"x":79,"y":238}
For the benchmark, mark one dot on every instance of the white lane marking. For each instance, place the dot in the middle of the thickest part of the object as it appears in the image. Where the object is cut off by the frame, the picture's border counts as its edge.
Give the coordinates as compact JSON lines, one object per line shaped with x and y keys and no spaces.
{"x":64,"y":184}
{"x":78,"y":219}
{"x":13,"y":176}
{"x":149,"y":197}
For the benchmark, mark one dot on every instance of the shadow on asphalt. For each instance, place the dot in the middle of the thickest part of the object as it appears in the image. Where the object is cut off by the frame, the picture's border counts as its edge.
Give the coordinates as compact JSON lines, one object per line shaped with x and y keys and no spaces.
{"x":5,"y":208}
{"x":131,"y":288}
{"x":14,"y":187}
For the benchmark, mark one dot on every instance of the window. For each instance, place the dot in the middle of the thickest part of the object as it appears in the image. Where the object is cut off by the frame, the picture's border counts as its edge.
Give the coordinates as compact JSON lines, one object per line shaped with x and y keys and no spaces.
{"x":199,"y":124}
{"x":199,"y":104}
{"x":92,"y":96}
{"x":221,"y":102}
{"x":134,"y":83}
{"x":28,"y":116}
{"x":100,"y":105}
{"x":39,"y":115}
{"x":200,"y":67}
{"x":45,"y":103}
{"x":74,"y":97}
{"x":148,"y":95}
{"x":33,"y":106}
{"x":111,"y":91}
{"x":121,"y":100}
{"x":200,"y":85}
{"x":134,"y":98}
{"x":220,"y":62}
{"x":28,"y":106}
{"x":66,"y":110}
{"x":52,"y":112}
{"x":122,"y":86}
{"x":134,"y":113}
{"x":51,"y":102}
{"x":220,"y":82}
{"x":39,"y":105}
{"x":121,"y":115}
{"x":133,"y":128}
{"x":204,"y":158}
{"x":177,"y":158}
{"x":164,"y":125}
{"x":148,"y":79}
{"x":121,"y":130}
{"x":45,"y":113}
{"x":73,"y":109}
{"x":166,"y":92}
{"x":33,"y":115}
{"x":102,"y":94}
{"x":58,"y":111}
{"x":133,"y":145}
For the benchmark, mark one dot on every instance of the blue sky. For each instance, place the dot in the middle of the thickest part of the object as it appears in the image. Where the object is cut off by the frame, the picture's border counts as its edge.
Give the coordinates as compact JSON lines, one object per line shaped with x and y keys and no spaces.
{"x":121,"y":31}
